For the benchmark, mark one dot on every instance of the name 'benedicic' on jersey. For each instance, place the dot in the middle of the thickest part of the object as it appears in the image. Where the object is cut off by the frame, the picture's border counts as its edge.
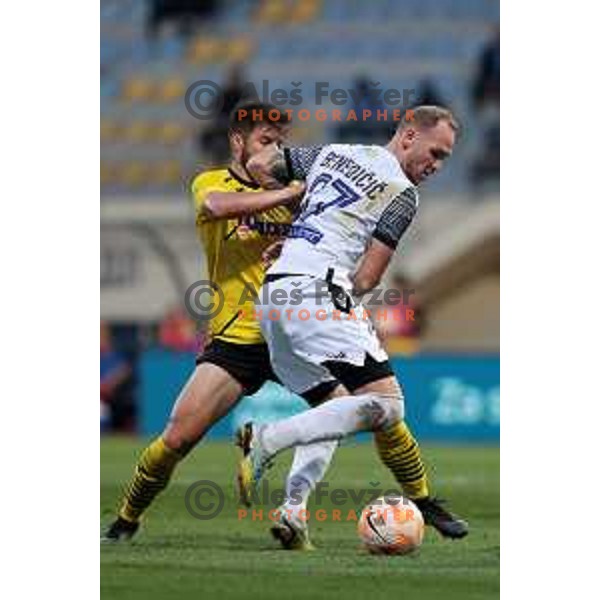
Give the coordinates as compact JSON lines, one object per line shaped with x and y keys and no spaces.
{"x":355,"y":193}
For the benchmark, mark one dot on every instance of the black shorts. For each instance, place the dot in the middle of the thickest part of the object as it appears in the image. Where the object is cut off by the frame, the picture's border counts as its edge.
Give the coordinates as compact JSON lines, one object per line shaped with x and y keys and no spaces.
{"x":354,"y":377}
{"x":350,"y":376}
{"x":248,"y":364}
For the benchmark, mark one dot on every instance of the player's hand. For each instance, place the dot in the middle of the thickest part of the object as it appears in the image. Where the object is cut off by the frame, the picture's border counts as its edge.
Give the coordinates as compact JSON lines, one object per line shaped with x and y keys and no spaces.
{"x":271,"y":254}
{"x":296,"y":189}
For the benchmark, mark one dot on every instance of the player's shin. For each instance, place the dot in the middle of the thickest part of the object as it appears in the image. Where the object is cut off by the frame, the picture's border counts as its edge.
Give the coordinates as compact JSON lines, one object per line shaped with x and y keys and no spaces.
{"x":400,"y":453}
{"x":308,"y":468}
{"x":152,"y":473}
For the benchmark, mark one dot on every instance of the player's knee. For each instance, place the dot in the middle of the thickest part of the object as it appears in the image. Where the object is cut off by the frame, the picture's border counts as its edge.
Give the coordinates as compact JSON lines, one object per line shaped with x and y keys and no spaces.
{"x":175,"y":440}
{"x":172,"y":438}
{"x":395,"y":409}
{"x":391,"y":410}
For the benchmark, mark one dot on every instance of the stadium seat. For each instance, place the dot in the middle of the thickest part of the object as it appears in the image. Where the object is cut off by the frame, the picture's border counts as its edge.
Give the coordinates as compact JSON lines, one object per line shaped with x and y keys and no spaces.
{"x":139,"y":132}
{"x":138,"y":90}
{"x":172,"y":90}
{"x":205,"y":49}
{"x":109,"y":88}
{"x":132,"y":173}
{"x":272,"y":12}
{"x":305,"y":12}
{"x":239,"y":49}
{"x":107,"y":173}
{"x":172,"y":48}
{"x":166,"y":172}
{"x":170,"y":133}
{"x":109,"y":131}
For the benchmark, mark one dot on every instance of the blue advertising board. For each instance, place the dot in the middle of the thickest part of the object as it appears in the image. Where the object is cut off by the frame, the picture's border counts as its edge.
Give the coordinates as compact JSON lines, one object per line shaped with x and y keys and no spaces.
{"x":449,"y":398}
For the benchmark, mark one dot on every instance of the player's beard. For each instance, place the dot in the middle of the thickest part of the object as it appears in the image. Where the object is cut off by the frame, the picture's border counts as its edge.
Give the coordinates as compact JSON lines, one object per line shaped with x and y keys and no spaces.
{"x":244,"y":158}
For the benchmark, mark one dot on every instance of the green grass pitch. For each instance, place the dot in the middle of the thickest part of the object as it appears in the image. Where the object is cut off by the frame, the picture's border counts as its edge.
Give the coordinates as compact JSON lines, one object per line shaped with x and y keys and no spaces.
{"x":177,"y":556}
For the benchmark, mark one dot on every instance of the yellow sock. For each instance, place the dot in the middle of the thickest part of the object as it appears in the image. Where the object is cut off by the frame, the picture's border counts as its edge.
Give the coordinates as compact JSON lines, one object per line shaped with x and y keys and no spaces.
{"x":400,"y":452}
{"x":151,"y":476}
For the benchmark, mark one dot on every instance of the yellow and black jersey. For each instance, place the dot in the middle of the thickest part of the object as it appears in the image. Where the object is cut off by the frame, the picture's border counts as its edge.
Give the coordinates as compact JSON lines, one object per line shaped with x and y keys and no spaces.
{"x":234,"y":249}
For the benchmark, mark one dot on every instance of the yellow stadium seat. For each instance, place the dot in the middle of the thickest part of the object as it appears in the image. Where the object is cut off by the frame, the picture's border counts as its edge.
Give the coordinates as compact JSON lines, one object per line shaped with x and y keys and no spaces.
{"x":205,"y":49}
{"x":107,"y":172}
{"x":272,"y":11}
{"x":172,"y":90}
{"x":240,"y":49}
{"x":109,"y":130}
{"x":305,"y":12}
{"x":166,"y":172}
{"x":171,"y":133}
{"x":133,"y":173}
{"x":306,"y":133}
{"x":138,"y":90}
{"x":138,"y":132}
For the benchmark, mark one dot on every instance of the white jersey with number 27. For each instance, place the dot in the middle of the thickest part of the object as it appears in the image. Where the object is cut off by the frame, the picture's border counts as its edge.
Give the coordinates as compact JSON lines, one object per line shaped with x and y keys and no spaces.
{"x":354,"y":193}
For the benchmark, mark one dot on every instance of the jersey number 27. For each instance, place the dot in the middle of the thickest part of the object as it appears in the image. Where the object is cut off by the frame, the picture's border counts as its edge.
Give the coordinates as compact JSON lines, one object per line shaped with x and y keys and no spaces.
{"x":346,"y":195}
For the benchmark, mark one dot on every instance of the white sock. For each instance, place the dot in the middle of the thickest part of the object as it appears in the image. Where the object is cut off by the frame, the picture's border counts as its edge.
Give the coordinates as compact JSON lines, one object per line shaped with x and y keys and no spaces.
{"x":309,"y":467}
{"x":332,"y":420}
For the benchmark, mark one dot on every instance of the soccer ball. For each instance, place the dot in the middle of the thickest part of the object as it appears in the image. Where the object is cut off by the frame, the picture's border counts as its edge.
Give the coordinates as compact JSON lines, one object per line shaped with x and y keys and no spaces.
{"x":391,"y":525}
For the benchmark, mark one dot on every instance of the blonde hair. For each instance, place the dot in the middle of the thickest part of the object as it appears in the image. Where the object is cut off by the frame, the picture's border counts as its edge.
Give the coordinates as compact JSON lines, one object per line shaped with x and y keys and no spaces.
{"x":428,"y":116}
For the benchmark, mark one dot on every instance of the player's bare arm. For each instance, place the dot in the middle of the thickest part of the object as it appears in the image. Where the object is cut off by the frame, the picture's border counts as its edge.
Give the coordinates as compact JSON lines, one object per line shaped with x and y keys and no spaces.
{"x":225,"y":205}
{"x":393,"y":224}
{"x":275,"y":166}
{"x":371,"y":268}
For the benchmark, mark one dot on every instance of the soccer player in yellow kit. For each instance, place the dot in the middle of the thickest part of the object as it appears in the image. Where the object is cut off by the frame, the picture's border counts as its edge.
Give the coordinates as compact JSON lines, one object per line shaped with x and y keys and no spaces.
{"x":236,"y":361}
{"x":237,"y":222}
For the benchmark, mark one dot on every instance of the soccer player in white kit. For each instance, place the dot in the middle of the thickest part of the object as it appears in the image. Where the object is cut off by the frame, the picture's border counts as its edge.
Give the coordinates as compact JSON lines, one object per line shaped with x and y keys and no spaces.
{"x":359,"y":201}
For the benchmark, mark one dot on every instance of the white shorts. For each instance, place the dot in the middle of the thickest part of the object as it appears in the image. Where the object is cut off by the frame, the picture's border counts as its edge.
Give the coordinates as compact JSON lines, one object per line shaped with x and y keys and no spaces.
{"x":304,"y":331}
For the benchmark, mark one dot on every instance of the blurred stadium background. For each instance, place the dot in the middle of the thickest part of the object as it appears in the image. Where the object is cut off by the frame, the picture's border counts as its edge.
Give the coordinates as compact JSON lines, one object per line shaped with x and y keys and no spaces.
{"x":151,"y":51}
